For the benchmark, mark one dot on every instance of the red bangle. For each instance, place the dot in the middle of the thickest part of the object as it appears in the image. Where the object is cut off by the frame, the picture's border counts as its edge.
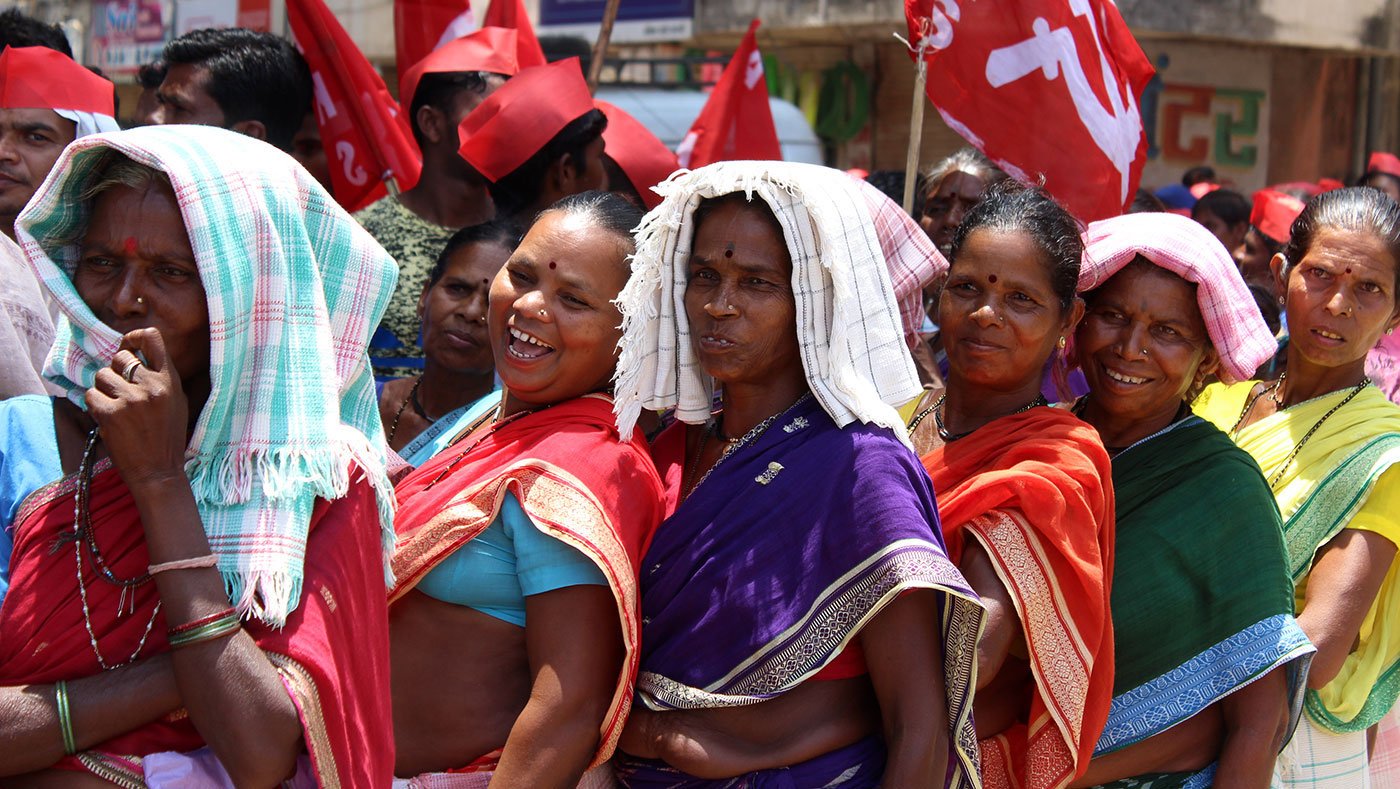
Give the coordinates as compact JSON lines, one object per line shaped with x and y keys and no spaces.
{"x":200,"y":622}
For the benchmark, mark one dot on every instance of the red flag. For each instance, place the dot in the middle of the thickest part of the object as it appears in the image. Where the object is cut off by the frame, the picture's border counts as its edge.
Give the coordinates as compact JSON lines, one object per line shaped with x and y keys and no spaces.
{"x":366,"y":139}
{"x":421,"y":26}
{"x":511,"y":13}
{"x":1043,"y":87}
{"x":737,"y":121}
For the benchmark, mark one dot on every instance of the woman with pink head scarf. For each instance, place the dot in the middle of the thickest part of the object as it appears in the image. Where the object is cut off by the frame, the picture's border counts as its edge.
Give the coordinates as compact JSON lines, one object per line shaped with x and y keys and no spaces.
{"x":1209,"y":660}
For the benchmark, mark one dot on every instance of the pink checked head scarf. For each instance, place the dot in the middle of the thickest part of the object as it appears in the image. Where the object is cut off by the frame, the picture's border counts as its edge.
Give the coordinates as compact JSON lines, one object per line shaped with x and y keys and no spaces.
{"x":1188,"y":250}
{"x":910,"y":256}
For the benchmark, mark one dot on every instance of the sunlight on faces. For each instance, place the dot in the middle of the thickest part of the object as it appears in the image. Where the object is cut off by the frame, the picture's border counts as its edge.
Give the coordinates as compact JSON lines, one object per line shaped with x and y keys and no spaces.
{"x":454,"y":334}
{"x":999,"y":315}
{"x":945,"y":208}
{"x":738,"y":297}
{"x":30,"y":143}
{"x":1340,"y":297}
{"x":1143,"y":307}
{"x":570,"y":348}
{"x":136,"y":270}
{"x":184,"y":97}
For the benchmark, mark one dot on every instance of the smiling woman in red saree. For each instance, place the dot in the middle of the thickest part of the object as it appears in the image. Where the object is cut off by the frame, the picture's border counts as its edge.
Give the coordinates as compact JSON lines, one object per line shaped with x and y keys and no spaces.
{"x":514,"y":621}
{"x":1024,"y":492}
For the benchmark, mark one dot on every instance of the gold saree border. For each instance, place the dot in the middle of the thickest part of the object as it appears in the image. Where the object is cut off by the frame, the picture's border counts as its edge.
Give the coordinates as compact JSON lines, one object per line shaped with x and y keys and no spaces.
{"x":1059,"y":657}
{"x":563,"y":507}
{"x":313,"y":720}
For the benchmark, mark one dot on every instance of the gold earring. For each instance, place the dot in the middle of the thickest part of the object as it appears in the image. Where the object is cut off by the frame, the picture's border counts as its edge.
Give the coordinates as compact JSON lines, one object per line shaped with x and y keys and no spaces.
{"x":1061,"y":344}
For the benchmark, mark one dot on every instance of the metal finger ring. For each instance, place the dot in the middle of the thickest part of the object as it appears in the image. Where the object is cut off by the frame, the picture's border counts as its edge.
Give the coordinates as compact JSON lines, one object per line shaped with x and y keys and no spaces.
{"x":129,"y":371}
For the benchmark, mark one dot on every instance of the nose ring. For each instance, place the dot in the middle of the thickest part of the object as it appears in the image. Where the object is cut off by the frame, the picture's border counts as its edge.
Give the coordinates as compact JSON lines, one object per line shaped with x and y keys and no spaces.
{"x":541,"y":312}
{"x":1144,"y":351}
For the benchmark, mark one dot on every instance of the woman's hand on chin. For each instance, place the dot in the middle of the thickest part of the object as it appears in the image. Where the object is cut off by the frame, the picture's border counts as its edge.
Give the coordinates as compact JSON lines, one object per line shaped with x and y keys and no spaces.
{"x":141,"y":410}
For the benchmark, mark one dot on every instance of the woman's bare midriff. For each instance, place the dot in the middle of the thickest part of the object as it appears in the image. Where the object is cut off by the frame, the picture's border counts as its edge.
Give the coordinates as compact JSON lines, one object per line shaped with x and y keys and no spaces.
{"x":808,"y":721}
{"x":459,"y":680}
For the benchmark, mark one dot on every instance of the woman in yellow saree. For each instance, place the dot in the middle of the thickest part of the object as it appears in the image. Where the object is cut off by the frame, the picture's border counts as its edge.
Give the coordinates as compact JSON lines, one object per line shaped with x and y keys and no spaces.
{"x":1327,"y":442}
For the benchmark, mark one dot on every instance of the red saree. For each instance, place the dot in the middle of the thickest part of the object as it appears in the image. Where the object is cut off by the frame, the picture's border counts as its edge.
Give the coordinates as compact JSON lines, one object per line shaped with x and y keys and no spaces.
{"x":575,"y":479}
{"x":333,"y":654}
{"x":1056,"y":558}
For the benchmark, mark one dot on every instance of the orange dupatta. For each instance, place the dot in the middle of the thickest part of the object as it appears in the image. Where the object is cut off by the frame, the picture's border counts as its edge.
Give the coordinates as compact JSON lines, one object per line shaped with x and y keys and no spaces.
{"x":575,"y":478}
{"x":1056,"y":559}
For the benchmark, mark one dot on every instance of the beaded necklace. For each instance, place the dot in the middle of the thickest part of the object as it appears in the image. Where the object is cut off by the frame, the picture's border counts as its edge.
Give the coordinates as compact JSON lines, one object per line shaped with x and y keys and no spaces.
{"x":497,"y":424}
{"x":937,"y":410}
{"x":412,"y":397}
{"x":83,"y":534}
{"x":1272,"y":391}
{"x":1278,"y":475}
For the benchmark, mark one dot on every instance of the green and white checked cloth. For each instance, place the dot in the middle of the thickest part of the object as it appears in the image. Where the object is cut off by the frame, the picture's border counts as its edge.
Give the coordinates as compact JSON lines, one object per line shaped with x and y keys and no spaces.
{"x":295,"y":288}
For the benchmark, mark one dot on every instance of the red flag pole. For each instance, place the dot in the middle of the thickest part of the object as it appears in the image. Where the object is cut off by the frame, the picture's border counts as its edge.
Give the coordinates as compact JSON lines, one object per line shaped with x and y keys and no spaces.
{"x":600,"y":49}
{"x":916,"y":127}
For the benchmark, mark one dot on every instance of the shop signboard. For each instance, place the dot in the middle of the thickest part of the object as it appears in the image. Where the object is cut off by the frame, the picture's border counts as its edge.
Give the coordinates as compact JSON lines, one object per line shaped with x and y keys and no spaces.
{"x":127,"y":34}
{"x":638,"y":21}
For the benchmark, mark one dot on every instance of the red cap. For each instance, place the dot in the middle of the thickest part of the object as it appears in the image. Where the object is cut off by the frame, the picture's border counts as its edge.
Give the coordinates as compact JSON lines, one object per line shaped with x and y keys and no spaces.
{"x":1382,"y":162}
{"x":43,"y":78}
{"x":1274,"y":213}
{"x":1329,"y":184}
{"x":1202,"y":189}
{"x":645,"y":160}
{"x":488,"y":49}
{"x":518,"y":120}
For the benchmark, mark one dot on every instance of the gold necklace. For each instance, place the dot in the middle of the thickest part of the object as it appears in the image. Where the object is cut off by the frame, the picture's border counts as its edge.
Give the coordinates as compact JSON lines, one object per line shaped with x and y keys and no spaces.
{"x":732,"y":445}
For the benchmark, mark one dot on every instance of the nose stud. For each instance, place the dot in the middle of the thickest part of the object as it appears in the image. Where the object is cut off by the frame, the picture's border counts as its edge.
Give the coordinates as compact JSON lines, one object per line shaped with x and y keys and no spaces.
{"x":140,"y":300}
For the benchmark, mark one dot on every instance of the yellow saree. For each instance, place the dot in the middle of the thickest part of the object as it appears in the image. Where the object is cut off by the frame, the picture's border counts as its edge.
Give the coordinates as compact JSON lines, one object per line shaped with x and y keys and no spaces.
{"x":1345,"y":476}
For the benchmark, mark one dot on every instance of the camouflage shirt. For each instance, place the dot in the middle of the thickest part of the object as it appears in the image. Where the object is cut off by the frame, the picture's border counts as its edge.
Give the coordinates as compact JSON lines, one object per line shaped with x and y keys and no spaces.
{"x":415,"y":244}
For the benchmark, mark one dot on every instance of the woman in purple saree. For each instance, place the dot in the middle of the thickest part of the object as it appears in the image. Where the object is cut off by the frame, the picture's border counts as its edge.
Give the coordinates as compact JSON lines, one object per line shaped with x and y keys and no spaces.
{"x":802,"y":624}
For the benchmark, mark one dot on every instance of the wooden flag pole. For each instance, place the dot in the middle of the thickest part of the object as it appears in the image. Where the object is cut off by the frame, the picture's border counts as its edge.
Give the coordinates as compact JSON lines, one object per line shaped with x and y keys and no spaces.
{"x":600,"y":49}
{"x":916,"y":131}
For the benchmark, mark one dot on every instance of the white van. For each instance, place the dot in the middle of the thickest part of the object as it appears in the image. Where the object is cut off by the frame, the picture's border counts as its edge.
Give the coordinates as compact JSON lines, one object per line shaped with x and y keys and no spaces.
{"x":669,"y":114}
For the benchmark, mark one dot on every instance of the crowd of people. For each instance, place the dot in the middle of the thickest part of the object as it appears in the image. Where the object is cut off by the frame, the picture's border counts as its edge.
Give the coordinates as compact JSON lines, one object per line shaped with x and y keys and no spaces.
{"x":567,"y":467}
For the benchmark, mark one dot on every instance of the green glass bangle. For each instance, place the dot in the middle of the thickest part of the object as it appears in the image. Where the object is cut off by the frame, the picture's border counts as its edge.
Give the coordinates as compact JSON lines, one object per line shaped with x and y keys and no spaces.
{"x":216,"y":629}
{"x":65,"y":721}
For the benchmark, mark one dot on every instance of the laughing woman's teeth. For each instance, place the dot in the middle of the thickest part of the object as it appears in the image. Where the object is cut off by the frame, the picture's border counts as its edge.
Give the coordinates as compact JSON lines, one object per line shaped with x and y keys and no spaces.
{"x":526,"y":346}
{"x":1127,"y":379}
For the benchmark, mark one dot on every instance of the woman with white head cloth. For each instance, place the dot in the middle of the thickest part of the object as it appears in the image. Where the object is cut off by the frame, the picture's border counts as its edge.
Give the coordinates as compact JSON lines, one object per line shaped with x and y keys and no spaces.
{"x":799,"y":610}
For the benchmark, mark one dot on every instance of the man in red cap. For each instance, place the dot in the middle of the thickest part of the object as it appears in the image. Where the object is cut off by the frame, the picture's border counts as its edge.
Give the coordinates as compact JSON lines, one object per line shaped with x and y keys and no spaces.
{"x":1270,"y":226}
{"x":635,"y":160}
{"x":46,"y":101}
{"x":1383,"y":173}
{"x":537,"y":140}
{"x":437,"y":92}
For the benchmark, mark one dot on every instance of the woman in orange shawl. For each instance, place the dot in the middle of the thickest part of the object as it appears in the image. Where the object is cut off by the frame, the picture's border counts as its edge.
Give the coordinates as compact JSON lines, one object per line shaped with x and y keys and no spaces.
{"x":514,"y":630}
{"x":1024,"y":491}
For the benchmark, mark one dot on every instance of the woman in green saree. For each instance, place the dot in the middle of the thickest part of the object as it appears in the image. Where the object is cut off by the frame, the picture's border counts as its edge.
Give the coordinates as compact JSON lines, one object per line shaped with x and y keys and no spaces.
{"x":1209,"y":663}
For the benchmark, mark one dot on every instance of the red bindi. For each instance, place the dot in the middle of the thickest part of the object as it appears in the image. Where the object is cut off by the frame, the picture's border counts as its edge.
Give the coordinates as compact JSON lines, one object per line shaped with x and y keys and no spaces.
{"x":553,"y":265}
{"x":729,"y":249}
{"x":992,"y":278}
{"x":1348,"y":270}
{"x":129,"y":245}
